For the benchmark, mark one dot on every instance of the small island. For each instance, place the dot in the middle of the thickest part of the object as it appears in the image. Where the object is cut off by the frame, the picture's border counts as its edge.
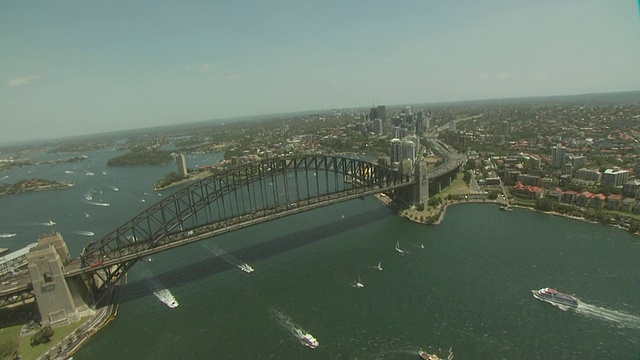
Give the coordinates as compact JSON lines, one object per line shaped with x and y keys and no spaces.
{"x":142,"y":157}
{"x":24,"y":186}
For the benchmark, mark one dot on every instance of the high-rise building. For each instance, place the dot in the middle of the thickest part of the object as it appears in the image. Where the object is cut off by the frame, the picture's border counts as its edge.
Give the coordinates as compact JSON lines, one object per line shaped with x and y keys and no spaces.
{"x":377,"y":126}
{"x":558,"y":155}
{"x":182,"y":165}
{"x":614,"y":177}
{"x":408,"y":150}
{"x":395,"y":151}
{"x":505,"y":129}
{"x":379,"y":112}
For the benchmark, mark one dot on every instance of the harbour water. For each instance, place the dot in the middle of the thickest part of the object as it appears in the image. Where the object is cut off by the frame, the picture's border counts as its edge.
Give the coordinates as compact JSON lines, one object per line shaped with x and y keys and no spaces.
{"x":464,"y":284}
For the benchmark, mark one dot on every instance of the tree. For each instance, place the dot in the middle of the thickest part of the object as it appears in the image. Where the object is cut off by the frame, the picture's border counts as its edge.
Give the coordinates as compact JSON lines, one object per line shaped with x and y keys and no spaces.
{"x":8,"y":349}
{"x":42,"y":336}
{"x":493,"y":194}
{"x":544,"y":204}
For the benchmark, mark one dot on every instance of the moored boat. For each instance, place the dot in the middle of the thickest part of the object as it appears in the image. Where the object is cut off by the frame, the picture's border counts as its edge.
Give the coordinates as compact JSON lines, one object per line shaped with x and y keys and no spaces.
{"x":554,"y":297}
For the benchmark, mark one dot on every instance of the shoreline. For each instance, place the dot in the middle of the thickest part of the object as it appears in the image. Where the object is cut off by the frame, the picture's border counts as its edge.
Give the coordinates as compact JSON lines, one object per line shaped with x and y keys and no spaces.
{"x":443,"y":209}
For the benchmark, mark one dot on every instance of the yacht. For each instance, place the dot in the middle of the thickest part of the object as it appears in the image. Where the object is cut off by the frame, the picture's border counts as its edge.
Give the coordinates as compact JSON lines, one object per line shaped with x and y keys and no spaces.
{"x":398,"y":248}
{"x":358,"y":284}
{"x":426,"y":356}
{"x":554,"y":297}
{"x":50,"y":223}
{"x":379,"y":266}
{"x":307,"y":339}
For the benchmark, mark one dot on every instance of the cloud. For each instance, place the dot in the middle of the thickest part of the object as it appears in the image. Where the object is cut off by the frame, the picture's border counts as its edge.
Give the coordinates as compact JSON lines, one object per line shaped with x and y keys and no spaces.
{"x":25,"y":80}
{"x":506,"y":75}
{"x":234,"y":77}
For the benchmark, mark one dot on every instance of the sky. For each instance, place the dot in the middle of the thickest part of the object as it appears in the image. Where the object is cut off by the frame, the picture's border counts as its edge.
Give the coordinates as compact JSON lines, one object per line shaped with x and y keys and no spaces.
{"x":81,"y":67}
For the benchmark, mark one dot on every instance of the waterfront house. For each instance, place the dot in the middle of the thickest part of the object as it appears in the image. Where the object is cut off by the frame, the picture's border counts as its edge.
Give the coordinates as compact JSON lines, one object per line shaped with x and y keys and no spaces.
{"x":614,"y":201}
{"x":583,"y":198}
{"x":598,"y":201}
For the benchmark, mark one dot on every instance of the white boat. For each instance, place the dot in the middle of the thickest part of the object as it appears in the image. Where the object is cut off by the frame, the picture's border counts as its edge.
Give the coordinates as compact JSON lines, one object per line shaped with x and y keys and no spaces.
{"x":421,"y":246}
{"x":398,"y":248}
{"x":246,"y":268}
{"x":379,"y":266}
{"x":307,"y":339}
{"x":89,"y":173}
{"x":50,"y":223}
{"x":358,"y":284}
{"x":86,"y":214}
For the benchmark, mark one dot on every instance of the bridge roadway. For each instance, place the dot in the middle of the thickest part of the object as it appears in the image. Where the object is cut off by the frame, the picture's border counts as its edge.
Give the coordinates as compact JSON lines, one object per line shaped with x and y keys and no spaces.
{"x":22,"y":283}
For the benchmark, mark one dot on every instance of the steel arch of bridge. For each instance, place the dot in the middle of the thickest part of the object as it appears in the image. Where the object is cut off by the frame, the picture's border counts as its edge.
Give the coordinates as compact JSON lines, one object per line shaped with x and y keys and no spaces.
{"x":231,"y":196}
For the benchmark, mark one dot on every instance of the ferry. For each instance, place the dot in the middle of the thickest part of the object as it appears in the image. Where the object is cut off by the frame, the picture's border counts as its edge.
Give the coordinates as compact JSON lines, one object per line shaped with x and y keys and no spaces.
{"x":554,"y":297}
{"x":308,"y":339}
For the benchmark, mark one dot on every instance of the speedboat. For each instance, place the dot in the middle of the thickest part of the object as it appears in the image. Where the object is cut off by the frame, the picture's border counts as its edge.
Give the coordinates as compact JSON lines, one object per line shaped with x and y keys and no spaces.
{"x":246,"y":268}
{"x":554,"y":297}
{"x":398,"y":248}
{"x":50,"y":223}
{"x":379,"y":266}
{"x":426,"y":356}
{"x":358,"y":284}
{"x":308,"y":339}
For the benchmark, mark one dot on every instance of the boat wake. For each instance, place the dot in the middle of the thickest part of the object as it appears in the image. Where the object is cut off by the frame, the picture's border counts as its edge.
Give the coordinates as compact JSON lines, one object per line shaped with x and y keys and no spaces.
{"x":616,"y":317}
{"x":114,"y":188}
{"x":4,"y":177}
{"x":6,"y":236}
{"x":89,"y":195}
{"x":295,"y":330}
{"x":69,"y":172}
{"x":95,"y":203}
{"x":85,"y":233}
{"x":215,"y":250}
{"x":160,"y":292}
{"x":166,"y":297}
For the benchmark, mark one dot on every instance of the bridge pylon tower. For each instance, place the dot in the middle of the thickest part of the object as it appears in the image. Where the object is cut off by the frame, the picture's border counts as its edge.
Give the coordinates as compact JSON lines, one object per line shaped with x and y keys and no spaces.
{"x":60,"y":301}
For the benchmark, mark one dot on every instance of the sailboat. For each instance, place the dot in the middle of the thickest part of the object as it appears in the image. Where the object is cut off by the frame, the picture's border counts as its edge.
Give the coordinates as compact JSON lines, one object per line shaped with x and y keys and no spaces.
{"x":398,"y":248}
{"x":379,"y":266}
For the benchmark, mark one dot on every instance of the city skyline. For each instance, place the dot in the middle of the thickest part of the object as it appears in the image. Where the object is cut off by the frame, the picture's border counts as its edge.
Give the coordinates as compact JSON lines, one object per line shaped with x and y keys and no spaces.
{"x":72,"y":69}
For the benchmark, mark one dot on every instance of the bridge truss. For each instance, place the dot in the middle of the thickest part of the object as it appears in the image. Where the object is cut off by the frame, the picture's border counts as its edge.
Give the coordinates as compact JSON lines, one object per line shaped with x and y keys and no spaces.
{"x":246,"y":194}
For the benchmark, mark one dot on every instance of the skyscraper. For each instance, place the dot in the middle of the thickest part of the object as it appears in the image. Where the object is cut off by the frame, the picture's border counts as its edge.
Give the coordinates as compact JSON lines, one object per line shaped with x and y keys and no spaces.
{"x":395,"y":151}
{"x":558,"y":155}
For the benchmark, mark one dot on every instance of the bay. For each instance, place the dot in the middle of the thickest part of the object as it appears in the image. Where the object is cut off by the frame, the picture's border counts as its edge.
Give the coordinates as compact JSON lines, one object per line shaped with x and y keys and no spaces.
{"x":468,"y":289}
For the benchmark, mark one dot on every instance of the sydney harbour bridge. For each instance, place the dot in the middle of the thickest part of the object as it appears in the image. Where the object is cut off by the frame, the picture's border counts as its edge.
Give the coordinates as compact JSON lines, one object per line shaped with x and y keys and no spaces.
{"x":235,"y":198}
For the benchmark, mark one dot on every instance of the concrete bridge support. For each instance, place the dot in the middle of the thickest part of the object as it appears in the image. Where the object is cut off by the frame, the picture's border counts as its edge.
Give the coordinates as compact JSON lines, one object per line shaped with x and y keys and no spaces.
{"x":60,"y":302}
{"x":421,"y":190}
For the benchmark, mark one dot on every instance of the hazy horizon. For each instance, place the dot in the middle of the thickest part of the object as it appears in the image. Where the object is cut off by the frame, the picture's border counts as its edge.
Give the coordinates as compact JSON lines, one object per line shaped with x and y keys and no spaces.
{"x":77,"y":69}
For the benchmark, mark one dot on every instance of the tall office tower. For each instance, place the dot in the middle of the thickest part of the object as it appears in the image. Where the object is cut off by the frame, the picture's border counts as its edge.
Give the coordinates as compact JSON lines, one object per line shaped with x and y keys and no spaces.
{"x":399,"y":132}
{"x":182,"y":165}
{"x":382,"y":112}
{"x":416,"y":141}
{"x":395,"y":151}
{"x":558,"y":154}
{"x":419,"y":122}
{"x":373,"y":114}
{"x":408,"y":150}
{"x":377,"y":126}
{"x":505,"y":129}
